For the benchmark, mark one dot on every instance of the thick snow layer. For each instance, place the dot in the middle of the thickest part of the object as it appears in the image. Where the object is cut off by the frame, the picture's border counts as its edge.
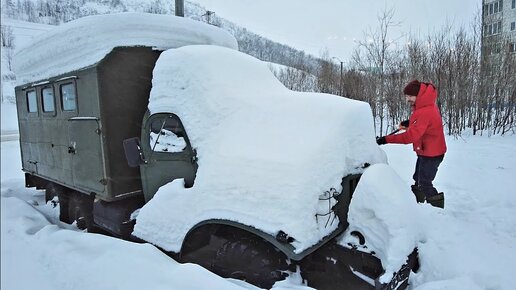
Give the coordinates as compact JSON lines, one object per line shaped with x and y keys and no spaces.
{"x":85,"y":41}
{"x":37,"y":254}
{"x":384,"y":210}
{"x":257,"y":143}
{"x":467,"y":246}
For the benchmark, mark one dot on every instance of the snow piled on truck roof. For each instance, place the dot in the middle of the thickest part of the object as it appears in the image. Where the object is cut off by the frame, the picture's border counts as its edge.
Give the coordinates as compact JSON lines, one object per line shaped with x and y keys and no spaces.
{"x":265,"y":153}
{"x":84,"y":42}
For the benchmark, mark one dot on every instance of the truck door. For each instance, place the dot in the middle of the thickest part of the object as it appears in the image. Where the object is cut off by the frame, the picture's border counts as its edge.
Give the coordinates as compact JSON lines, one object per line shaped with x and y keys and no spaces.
{"x":87,"y":154}
{"x":167,"y":152}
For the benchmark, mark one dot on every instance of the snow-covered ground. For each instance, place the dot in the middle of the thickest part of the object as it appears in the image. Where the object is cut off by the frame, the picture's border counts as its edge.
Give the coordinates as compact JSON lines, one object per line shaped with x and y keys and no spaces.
{"x":471,"y":244}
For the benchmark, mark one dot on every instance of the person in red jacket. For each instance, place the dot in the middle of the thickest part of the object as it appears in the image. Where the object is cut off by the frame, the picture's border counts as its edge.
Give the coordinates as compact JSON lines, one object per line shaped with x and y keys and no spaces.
{"x":424,"y":130}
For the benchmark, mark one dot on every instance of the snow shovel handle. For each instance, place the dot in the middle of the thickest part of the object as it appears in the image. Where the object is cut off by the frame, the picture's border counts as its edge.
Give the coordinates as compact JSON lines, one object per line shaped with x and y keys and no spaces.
{"x":393,"y":132}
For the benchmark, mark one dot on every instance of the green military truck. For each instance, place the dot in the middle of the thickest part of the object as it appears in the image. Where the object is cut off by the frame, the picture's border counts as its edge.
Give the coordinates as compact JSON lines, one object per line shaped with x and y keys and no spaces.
{"x":96,"y":133}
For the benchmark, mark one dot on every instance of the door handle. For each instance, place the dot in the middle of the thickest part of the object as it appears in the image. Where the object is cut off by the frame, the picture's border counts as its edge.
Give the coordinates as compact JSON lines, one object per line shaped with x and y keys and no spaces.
{"x":72,"y":147}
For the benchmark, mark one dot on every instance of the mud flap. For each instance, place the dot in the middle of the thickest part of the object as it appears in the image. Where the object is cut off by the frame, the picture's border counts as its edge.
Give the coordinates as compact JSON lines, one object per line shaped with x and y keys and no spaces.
{"x":337,"y":267}
{"x":400,"y":278}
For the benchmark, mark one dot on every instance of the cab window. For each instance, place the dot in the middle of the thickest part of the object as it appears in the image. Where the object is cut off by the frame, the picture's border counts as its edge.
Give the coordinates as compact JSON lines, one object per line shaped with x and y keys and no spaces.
{"x":166,"y":135}
{"x":48,"y":101}
{"x":68,"y":97}
{"x":32,"y":102}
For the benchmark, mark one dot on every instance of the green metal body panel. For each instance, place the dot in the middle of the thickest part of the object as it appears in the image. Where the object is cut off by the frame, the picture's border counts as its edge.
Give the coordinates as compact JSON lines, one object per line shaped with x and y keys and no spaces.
{"x":82,"y":149}
{"x":161,"y":168}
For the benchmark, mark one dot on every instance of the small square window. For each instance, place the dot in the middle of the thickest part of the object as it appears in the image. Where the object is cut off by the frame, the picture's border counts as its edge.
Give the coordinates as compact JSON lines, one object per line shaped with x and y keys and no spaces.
{"x":68,"y":97}
{"x":47,"y":96}
{"x":32,"y":102}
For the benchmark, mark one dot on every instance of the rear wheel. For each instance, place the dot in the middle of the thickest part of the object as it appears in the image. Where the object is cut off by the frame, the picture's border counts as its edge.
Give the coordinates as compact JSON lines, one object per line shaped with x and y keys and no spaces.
{"x":80,"y":209}
{"x":52,"y":190}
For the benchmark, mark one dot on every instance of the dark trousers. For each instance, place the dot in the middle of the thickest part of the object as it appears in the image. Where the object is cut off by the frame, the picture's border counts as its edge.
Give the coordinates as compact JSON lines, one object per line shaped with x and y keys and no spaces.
{"x":426,"y":169}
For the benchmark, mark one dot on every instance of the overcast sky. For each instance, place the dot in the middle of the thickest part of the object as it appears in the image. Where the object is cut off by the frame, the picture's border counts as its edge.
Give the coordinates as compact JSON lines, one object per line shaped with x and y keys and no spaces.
{"x":313,"y":25}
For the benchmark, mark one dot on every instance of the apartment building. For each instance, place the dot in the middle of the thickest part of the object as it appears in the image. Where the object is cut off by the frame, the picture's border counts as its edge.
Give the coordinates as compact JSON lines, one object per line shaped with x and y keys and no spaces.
{"x":499,"y":26}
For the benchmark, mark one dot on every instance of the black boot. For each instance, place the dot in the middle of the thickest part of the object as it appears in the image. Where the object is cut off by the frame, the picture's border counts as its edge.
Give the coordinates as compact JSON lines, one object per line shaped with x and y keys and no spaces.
{"x":436,"y":200}
{"x":420,"y":195}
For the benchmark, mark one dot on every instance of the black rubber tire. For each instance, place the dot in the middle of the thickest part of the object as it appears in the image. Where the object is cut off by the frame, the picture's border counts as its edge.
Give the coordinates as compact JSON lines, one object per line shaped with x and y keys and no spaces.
{"x":251,"y":260}
{"x":80,"y":209}
{"x":63,"y":207}
{"x":51,"y":190}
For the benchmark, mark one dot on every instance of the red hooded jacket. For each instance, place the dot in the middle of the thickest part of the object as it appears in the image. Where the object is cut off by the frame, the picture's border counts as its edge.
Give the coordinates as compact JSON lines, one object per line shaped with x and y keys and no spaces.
{"x":426,"y":126}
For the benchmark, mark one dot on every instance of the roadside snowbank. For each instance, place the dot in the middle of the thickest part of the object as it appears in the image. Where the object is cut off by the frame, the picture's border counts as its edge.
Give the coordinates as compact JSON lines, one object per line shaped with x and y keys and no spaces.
{"x":39,"y":255}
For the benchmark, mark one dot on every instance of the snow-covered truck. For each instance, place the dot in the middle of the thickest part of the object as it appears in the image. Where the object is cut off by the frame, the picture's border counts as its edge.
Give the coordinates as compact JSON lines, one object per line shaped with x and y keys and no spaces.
{"x":155,"y":128}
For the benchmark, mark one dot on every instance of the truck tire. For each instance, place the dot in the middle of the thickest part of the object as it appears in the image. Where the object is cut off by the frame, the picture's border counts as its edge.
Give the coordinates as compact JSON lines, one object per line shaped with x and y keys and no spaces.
{"x":63,"y":197}
{"x":80,"y":210}
{"x":251,"y":260}
{"x":51,"y":191}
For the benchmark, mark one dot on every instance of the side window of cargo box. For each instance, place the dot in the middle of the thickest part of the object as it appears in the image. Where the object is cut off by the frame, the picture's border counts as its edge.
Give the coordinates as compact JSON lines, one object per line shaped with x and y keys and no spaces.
{"x":48,"y":102}
{"x":32,"y":101}
{"x":167,"y":135}
{"x":68,"y":97}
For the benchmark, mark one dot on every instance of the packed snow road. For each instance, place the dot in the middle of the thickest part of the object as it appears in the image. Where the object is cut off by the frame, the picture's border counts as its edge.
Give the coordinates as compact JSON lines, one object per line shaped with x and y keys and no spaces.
{"x":468,"y":245}
{"x":9,"y":135}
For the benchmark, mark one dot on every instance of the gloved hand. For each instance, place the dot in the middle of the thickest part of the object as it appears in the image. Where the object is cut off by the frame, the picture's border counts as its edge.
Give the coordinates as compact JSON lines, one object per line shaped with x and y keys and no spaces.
{"x":404,"y":125}
{"x":381,"y":140}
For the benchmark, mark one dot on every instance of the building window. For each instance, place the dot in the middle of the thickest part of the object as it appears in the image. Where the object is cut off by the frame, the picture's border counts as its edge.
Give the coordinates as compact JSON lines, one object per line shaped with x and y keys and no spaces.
{"x":495,"y":7}
{"x":32,"y":102}
{"x":68,"y":97}
{"x":47,"y":97}
{"x":499,"y":27}
{"x":513,"y":26}
{"x":497,"y":48}
{"x":513,"y":4}
{"x":512,"y":47}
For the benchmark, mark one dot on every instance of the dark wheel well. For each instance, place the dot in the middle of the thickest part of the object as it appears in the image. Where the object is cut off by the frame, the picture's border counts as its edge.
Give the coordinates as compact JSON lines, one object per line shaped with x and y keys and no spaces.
{"x":234,"y":253}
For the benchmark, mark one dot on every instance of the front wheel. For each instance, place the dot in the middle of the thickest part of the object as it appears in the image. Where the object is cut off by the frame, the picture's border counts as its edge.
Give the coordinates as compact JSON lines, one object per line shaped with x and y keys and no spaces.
{"x":251,"y":260}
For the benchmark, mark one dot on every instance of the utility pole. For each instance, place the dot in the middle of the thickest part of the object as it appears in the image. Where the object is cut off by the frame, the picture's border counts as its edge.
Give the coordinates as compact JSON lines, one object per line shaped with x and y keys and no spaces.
{"x":180,"y":8}
{"x":208,"y":15}
{"x":340,"y":80}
